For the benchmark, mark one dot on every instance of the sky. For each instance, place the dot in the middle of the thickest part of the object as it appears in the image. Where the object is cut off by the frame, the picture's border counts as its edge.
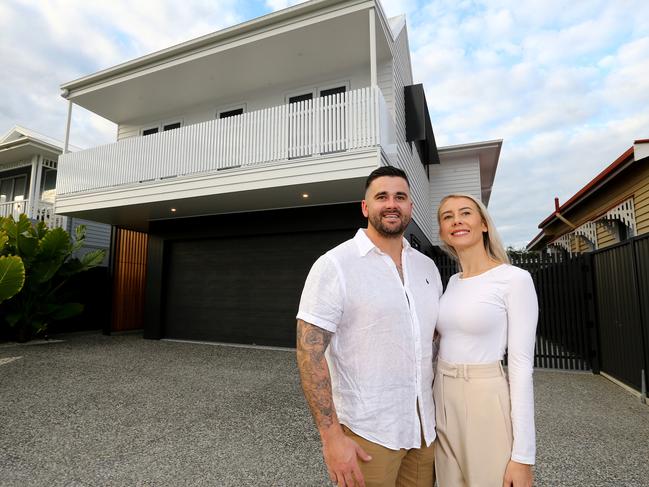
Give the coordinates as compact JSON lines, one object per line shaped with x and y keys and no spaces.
{"x":565,"y":84}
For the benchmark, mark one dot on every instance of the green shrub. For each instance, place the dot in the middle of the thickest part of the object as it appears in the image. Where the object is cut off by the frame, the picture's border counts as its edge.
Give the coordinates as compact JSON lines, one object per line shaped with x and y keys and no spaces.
{"x":47,"y":264}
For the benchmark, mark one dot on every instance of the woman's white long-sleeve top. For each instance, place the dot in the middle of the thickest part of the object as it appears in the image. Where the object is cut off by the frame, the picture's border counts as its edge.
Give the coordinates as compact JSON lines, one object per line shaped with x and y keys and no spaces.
{"x":483,"y":316}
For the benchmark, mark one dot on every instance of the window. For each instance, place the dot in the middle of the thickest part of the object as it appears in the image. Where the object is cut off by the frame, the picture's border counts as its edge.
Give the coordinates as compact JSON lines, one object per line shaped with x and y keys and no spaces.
{"x":163,"y":127}
{"x":299,"y":98}
{"x":231,"y":113}
{"x":299,"y":128}
{"x":48,"y":185}
{"x":13,"y":188}
{"x":171,"y":126}
{"x":333,"y":91}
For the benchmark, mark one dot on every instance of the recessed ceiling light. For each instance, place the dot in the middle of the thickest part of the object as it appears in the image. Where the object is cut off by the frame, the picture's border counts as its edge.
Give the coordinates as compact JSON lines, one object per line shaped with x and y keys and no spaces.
{"x":305,"y":195}
{"x":173,"y":210}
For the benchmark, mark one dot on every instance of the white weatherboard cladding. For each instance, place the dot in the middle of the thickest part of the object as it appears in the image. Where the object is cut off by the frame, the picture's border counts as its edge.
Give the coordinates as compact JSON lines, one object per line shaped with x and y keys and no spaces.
{"x":97,"y":234}
{"x":457,"y":175}
{"x":353,"y":79}
{"x":408,"y":157}
{"x":386,"y":83}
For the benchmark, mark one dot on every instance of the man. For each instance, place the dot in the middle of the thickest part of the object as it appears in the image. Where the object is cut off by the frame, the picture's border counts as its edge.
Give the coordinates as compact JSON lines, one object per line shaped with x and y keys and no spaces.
{"x":371,"y":304}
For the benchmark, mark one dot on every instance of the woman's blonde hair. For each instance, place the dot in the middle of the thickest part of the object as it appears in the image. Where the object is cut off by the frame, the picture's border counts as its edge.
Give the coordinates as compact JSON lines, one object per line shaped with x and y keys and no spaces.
{"x":491,"y":240}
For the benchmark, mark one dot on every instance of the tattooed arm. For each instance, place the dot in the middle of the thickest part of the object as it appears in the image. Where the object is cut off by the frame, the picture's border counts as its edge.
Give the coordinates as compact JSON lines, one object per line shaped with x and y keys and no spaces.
{"x":339,"y":451}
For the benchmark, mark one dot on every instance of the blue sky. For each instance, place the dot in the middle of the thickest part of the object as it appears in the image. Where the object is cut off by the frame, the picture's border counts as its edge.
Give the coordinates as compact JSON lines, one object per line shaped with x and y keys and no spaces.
{"x":565,"y":84}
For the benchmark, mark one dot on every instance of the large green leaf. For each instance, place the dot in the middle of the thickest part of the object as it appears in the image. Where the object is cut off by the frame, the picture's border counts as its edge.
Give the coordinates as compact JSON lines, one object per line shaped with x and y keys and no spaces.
{"x":12,"y":276}
{"x":80,"y":232}
{"x":15,"y":228}
{"x":45,"y":268}
{"x":54,"y":244}
{"x":3,"y":239}
{"x":80,"y":238}
{"x":27,"y":245}
{"x":39,"y":230}
{"x":93,"y":259}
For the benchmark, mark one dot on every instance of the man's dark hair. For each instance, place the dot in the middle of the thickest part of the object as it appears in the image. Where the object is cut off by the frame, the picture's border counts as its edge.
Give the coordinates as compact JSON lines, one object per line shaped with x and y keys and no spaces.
{"x":385,"y":171}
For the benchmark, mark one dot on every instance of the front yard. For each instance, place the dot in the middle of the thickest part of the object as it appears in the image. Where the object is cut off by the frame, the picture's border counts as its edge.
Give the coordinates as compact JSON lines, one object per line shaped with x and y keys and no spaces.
{"x":93,"y":410}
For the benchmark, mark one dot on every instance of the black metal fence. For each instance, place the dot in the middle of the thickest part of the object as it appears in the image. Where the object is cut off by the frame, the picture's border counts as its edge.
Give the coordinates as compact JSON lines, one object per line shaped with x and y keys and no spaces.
{"x":622,"y":296}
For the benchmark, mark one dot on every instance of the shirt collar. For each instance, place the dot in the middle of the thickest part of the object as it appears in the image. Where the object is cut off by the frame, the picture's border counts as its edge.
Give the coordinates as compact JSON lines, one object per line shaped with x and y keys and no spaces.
{"x":365,"y":245}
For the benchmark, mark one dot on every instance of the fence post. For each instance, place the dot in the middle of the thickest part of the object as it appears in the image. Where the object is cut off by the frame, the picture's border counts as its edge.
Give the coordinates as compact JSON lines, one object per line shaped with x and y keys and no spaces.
{"x":642,"y":308}
{"x":588,"y":273}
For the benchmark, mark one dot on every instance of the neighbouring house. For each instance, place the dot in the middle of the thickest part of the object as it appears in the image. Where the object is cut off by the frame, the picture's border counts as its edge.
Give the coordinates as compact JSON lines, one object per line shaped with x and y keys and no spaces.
{"x":28,"y":173}
{"x":464,"y":168}
{"x":241,"y":157}
{"x":611,"y":208}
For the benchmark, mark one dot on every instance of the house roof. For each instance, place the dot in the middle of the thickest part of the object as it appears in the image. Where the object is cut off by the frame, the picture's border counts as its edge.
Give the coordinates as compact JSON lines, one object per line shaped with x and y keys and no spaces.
{"x":308,"y":41}
{"x":20,"y":143}
{"x":488,"y":153}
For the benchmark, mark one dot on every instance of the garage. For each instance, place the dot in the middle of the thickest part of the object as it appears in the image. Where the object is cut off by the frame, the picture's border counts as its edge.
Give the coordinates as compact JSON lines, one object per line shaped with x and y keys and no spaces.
{"x":238,"y":277}
{"x":241,"y":289}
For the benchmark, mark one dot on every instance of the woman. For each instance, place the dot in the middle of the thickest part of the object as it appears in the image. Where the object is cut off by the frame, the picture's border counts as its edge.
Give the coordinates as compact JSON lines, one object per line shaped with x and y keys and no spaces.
{"x":485,"y":423}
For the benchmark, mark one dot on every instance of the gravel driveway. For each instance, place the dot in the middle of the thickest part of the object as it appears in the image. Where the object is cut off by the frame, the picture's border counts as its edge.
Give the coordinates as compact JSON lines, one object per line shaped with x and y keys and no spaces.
{"x":93,"y":410}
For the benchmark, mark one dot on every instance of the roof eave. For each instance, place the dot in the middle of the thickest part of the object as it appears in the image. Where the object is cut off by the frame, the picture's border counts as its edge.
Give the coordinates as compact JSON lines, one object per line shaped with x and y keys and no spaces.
{"x":203,"y":42}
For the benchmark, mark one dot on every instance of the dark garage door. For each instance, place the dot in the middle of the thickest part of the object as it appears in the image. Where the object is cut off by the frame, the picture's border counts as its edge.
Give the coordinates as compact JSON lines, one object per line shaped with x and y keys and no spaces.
{"x":240,"y":289}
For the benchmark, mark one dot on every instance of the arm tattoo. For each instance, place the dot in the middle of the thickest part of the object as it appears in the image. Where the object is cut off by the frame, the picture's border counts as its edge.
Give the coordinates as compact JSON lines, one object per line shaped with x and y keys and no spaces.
{"x":312,"y":342}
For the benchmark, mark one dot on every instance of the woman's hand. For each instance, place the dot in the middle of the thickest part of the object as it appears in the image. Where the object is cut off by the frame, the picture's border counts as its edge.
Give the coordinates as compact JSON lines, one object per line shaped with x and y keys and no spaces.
{"x":517,"y":475}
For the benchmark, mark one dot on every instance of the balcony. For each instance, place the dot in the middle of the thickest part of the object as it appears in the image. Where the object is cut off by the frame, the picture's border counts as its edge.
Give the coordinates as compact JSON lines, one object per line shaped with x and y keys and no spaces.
{"x":40,"y":211}
{"x":353,"y":121}
{"x":241,"y":163}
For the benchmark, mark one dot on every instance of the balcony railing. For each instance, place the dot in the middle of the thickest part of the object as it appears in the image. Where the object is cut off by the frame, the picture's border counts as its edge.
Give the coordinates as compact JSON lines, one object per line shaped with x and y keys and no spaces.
{"x":41,"y":211}
{"x":349,"y":121}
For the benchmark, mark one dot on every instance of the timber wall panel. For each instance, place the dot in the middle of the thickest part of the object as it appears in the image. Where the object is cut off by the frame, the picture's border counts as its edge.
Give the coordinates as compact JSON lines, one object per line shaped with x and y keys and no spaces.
{"x":129,"y":280}
{"x":605,"y":236}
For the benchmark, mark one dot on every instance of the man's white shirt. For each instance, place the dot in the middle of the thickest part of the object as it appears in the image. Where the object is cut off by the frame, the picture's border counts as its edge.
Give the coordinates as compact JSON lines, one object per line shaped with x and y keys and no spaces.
{"x":381,"y":352}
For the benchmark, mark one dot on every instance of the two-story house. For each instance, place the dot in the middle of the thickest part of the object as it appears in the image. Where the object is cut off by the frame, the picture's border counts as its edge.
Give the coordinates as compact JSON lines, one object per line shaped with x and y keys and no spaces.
{"x":241,"y":157}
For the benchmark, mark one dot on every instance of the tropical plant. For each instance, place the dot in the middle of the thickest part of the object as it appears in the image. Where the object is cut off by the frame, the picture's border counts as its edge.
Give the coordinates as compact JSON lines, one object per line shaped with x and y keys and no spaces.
{"x":48,"y":263}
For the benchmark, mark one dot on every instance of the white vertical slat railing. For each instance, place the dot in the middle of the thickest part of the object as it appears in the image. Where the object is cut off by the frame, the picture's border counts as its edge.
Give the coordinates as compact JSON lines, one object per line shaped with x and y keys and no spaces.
{"x":340,"y":122}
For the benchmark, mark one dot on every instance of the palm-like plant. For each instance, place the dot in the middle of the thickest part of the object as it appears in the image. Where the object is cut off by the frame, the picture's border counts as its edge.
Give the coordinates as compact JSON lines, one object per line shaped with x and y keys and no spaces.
{"x":46,"y":257}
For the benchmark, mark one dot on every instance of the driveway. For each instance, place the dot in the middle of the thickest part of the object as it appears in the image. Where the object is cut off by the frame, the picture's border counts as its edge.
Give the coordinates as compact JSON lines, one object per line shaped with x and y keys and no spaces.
{"x":93,"y":410}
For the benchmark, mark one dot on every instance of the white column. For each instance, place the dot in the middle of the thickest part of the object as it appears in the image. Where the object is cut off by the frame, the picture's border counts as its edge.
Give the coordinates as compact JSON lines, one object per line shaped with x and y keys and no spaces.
{"x":33,"y":192}
{"x":67,"y":128}
{"x":373,"y":70}
{"x":37,"y":186}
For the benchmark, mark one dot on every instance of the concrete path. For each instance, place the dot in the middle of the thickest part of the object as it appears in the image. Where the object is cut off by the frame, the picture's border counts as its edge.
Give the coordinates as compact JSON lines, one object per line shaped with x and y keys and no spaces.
{"x":123,"y":411}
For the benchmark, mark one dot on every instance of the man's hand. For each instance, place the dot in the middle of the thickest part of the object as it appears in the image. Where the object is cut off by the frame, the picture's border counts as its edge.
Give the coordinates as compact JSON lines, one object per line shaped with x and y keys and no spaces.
{"x":517,"y":475}
{"x":340,"y":454}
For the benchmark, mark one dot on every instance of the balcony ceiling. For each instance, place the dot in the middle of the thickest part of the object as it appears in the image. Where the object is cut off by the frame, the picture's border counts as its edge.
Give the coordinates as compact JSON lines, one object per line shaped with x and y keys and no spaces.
{"x":218,"y":74}
{"x":137,"y":216}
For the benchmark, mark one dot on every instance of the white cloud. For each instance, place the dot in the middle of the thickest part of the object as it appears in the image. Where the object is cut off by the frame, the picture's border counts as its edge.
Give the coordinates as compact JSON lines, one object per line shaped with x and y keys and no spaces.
{"x":46,"y":43}
{"x":281,"y":4}
{"x":565,"y":84}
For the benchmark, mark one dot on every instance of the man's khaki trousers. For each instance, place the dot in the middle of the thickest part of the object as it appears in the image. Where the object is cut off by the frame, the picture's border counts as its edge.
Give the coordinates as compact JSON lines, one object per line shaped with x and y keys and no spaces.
{"x":396,"y":468}
{"x":474,"y":430}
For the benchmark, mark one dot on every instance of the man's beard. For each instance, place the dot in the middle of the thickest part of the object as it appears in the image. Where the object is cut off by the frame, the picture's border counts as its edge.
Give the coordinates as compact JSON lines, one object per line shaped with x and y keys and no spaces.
{"x":389,"y":232}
